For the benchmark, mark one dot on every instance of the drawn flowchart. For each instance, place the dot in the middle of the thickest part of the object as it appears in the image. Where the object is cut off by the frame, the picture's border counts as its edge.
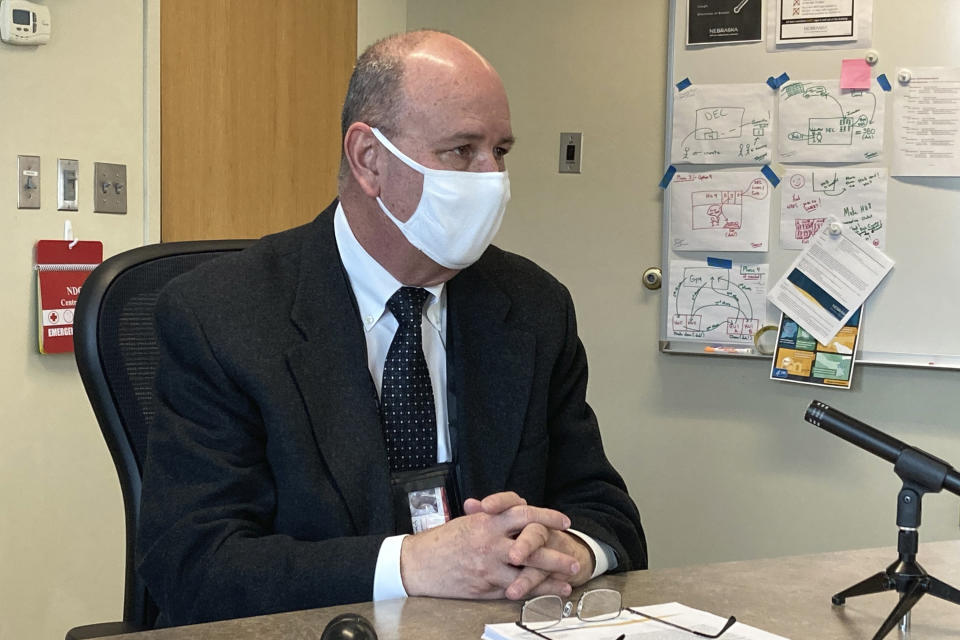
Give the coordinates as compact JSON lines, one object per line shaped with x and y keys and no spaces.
{"x":820,"y":122}
{"x":716,"y":304}
{"x":722,"y":124}
{"x":855,"y":197}
{"x":719,"y":211}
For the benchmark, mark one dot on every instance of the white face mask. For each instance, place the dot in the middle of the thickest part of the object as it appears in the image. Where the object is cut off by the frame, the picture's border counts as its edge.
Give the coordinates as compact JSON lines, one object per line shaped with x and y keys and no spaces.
{"x":458,"y":214}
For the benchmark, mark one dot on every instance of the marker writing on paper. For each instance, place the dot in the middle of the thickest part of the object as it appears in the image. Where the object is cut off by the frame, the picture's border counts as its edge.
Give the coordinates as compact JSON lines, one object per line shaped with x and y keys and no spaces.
{"x":713,"y":349}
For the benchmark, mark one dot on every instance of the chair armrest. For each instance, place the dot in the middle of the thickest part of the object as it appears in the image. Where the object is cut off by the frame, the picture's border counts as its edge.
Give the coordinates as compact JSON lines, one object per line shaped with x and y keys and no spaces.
{"x":102,"y":630}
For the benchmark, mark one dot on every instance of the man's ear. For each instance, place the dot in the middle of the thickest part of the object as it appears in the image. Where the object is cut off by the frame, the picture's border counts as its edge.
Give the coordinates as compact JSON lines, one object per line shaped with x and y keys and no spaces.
{"x":361,"y":149}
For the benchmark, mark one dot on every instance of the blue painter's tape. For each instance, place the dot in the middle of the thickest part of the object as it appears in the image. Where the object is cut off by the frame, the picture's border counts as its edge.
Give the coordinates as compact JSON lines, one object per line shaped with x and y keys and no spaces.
{"x":683,"y":84}
{"x":775,"y":83}
{"x":667,"y":177}
{"x":883,"y":82}
{"x":770,"y":174}
{"x":723,"y":263}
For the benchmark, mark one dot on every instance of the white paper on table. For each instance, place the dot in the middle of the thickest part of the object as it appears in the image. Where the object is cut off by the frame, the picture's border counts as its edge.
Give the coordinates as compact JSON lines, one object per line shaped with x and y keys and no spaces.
{"x":722,"y":124}
{"x":820,"y":122}
{"x":635,"y":627}
{"x":719,"y":211}
{"x":816,"y":20}
{"x":926,"y":121}
{"x":854,"y":197}
{"x":829,"y":281}
{"x":716,"y":303}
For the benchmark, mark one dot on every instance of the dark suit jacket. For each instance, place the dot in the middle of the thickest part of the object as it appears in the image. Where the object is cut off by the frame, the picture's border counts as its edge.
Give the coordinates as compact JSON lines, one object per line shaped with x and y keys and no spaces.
{"x":266,"y":486}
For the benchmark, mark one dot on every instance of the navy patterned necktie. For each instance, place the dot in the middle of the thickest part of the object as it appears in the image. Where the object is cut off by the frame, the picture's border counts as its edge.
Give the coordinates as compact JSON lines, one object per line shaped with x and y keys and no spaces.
{"x":406,"y":396}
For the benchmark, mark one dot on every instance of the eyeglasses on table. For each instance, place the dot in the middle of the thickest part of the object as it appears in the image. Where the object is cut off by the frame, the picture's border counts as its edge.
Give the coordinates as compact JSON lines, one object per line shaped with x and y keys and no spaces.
{"x":597,"y":605}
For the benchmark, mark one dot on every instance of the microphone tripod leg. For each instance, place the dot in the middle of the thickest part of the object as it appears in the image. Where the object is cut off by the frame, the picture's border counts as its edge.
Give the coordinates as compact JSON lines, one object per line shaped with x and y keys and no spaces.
{"x":942,"y":590}
{"x":907,"y":600}
{"x":876,"y":583}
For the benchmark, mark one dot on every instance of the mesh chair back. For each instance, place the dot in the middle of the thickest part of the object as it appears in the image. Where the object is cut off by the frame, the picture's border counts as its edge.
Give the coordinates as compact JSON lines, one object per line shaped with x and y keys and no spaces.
{"x":116,"y":350}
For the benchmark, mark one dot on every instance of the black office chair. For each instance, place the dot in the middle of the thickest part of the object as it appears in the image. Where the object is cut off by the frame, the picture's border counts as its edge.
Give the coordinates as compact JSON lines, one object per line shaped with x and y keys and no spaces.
{"x":116,"y":349}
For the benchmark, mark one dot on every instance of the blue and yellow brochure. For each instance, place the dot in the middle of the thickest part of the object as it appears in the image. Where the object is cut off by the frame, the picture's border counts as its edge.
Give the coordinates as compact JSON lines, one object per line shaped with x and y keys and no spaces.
{"x":800,"y":358}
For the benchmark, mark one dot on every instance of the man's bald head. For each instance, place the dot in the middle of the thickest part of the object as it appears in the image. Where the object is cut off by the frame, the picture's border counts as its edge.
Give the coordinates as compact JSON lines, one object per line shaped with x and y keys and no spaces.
{"x":378,"y":91}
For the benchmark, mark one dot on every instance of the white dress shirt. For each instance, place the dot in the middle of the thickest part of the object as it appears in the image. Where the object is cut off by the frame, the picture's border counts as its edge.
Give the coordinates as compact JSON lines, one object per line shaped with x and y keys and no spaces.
{"x":373,"y":286}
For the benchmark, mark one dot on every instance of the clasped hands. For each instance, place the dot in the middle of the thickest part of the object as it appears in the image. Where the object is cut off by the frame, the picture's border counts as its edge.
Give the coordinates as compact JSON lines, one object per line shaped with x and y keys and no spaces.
{"x":501,"y":547}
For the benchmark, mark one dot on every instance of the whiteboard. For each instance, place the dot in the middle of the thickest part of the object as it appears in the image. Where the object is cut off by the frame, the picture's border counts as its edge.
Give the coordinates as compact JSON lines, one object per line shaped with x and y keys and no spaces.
{"x":913,"y":318}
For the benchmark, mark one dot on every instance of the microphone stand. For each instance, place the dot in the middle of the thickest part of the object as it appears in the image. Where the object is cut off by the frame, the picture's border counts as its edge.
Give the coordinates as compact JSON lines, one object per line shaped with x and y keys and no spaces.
{"x":921,"y":473}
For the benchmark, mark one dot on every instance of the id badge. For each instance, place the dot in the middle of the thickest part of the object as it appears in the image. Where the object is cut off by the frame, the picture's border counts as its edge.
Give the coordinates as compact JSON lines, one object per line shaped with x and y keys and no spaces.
{"x":425,"y":498}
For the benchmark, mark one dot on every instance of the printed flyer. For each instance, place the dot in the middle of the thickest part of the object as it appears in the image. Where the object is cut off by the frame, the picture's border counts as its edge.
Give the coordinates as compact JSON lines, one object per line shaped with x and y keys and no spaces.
{"x":800,"y":358}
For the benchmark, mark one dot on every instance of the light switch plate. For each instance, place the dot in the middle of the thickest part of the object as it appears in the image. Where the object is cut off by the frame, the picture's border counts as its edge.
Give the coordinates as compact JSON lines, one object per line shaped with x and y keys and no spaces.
{"x":28,"y":182}
{"x":109,"y":187}
{"x":67,"y":184}
{"x":570,"y":143}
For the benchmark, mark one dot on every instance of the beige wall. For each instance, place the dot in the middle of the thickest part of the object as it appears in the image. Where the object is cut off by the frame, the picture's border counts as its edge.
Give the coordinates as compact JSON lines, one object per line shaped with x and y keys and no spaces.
{"x":61,"y":533}
{"x":717,"y":456}
{"x":379,"y":18}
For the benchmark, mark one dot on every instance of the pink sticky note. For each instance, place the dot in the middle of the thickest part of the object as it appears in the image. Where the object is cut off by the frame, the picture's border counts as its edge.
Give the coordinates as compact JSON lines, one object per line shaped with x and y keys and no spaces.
{"x":855,"y":74}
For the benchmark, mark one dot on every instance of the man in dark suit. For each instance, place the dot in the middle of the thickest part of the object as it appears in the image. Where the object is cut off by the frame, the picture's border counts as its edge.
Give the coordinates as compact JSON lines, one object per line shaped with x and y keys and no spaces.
{"x":267,"y":485}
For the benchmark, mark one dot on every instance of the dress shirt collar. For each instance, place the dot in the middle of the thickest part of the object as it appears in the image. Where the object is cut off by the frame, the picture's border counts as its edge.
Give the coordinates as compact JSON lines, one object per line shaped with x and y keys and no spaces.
{"x":372,"y":284}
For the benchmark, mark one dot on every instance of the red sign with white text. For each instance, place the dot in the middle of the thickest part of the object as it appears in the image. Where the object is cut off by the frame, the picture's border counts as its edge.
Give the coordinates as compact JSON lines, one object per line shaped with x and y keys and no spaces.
{"x":61,"y":270}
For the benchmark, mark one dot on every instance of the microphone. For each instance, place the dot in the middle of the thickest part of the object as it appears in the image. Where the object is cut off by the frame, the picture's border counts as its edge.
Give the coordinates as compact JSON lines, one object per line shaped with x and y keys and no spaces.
{"x":911,"y":463}
{"x":349,"y":626}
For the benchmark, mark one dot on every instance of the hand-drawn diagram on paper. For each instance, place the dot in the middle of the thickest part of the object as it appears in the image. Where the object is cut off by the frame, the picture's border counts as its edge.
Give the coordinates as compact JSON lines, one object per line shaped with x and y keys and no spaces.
{"x":719,"y":211}
{"x":716,"y":304}
{"x":819,"y":122}
{"x":811,"y":196}
{"x":722,"y":124}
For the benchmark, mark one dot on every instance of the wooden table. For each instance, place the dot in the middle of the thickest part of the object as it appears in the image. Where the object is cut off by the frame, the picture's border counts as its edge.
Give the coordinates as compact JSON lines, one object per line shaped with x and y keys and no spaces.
{"x":787,"y":596}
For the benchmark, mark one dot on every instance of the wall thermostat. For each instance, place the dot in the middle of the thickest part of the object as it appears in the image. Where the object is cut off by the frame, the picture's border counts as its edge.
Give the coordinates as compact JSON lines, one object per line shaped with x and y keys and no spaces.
{"x":23,"y":22}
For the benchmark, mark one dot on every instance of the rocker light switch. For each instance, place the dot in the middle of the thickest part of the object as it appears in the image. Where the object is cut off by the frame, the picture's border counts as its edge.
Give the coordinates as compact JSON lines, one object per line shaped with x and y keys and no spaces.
{"x":570,"y":143}
{"x":67,"y":184}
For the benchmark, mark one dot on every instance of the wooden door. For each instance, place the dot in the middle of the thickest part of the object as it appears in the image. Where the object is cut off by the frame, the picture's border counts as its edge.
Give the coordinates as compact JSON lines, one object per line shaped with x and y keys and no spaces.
{"x":250,"y":98}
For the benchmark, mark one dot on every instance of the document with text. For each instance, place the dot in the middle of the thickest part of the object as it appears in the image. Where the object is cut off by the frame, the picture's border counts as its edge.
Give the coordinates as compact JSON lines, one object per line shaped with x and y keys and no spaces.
{"x":926,"y":117}
{"x":829,"y":281}
{"x":816,"y":20}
